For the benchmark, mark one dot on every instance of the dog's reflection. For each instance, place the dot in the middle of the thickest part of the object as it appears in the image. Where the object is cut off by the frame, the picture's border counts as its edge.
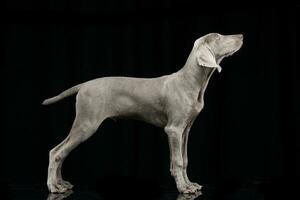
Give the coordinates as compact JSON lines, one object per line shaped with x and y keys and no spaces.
{"x":188,"y":196}
{"x":57,"y":196}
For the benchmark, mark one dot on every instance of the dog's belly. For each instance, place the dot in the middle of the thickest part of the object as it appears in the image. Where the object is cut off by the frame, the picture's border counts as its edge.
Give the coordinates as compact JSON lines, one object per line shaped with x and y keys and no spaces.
{"x":151,"y":118}
{"x":130,"y":108}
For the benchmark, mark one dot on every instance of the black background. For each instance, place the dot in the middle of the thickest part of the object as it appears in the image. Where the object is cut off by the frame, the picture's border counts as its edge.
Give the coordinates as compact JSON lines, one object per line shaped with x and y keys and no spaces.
{"x":248,"y":130}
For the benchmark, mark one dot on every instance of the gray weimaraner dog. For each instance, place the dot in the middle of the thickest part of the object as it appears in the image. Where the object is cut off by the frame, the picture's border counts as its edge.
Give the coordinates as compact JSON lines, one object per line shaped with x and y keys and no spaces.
{"x":171,"y":102}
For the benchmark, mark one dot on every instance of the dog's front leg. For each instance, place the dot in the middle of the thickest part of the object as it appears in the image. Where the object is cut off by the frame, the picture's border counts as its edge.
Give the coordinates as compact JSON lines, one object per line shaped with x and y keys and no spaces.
{"x":175,"y":144}
{"x":195,"y":186}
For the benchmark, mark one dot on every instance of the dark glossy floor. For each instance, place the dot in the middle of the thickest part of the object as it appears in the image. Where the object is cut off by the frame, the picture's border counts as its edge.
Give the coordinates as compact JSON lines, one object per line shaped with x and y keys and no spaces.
{"x":226,"y":191}
{"x":94,"y":195}
{"x":36,"y":194}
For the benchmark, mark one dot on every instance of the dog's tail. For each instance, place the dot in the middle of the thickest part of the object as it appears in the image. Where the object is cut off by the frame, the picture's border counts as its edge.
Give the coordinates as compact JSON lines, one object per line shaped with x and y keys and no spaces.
{"x":62,"y":95}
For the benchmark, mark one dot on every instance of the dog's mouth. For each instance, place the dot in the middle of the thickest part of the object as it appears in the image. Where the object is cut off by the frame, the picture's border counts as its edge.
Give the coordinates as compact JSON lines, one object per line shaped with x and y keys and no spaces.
{"x":230,"y":53}
{"x":235,"y":50}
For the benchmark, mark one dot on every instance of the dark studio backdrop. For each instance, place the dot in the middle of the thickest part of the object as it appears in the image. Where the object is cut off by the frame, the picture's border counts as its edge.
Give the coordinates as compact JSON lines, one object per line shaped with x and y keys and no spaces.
{"x":248,"y":130}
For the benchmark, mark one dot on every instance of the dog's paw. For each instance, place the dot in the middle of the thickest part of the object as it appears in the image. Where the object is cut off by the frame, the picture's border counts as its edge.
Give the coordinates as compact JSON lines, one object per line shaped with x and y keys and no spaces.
{"x":56,"y":196}
{"x":196,"y":186}
{"x":190,"y":196}
{"x":189,"y":190}
{"x":59,"y":187}
{"x":66,"y":184}
{"x":186,"y":189}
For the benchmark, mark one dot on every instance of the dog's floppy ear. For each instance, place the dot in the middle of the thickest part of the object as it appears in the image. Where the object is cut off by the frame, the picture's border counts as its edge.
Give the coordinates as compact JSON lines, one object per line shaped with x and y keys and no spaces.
{"x":205,"y":57}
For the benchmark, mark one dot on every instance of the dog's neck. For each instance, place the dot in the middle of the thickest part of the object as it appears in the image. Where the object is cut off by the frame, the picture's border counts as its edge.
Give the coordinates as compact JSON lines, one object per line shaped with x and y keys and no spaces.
{"x":197,"y":77}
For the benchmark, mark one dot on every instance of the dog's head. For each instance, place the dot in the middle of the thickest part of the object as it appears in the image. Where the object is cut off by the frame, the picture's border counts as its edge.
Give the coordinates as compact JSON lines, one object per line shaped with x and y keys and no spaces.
{"x":212,"y":48}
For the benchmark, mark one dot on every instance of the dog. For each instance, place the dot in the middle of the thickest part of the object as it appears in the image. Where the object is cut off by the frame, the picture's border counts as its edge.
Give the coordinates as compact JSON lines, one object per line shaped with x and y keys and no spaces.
{"x":171,"y":102}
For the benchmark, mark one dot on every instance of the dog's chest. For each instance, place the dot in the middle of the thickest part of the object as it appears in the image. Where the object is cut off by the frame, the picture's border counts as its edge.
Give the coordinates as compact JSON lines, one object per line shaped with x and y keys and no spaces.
{"x":196,"y":108}
{"x":191,"y":104}
{"x":199,"y":106}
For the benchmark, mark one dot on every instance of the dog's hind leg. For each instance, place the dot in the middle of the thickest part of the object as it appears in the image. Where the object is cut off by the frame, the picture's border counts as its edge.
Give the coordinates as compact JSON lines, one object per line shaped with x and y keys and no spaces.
{"x":78,"y":134}
{"x":65,"y":184}
{"x":85,"y":125}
